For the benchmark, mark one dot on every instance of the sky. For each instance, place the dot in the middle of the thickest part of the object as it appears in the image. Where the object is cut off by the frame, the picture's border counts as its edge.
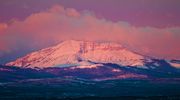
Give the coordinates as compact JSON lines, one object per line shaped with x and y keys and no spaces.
{"x":149,"y":27}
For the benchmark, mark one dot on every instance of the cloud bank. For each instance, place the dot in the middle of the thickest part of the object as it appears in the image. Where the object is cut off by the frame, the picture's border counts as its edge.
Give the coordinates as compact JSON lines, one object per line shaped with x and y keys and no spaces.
{"x":56,"y":24}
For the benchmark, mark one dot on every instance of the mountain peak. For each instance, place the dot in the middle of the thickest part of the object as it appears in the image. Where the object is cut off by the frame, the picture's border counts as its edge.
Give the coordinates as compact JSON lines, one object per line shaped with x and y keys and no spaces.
{"x":75,"y":52}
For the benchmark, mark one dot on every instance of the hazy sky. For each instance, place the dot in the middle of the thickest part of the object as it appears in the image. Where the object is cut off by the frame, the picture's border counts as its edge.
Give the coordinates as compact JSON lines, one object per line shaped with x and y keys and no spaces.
{"x":156,"y":13}
{"x":150,"y":27}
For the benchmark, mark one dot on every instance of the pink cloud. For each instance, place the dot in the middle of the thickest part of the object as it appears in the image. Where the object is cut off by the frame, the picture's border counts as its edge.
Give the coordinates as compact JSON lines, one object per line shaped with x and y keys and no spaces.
{"x":58,"y":23}
{"x":2,"y":47}
{"x":3,"y":26}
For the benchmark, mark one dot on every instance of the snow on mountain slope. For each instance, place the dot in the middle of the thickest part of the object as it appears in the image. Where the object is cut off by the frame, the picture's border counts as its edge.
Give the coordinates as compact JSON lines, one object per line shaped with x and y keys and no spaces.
{"x":79,"y":53}
{"x":174,"y":63}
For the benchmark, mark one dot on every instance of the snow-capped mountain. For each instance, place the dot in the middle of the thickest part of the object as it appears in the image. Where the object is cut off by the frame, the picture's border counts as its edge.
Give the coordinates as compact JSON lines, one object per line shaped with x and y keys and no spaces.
{"x":89,"y":60}
{"x":80,"y":53}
